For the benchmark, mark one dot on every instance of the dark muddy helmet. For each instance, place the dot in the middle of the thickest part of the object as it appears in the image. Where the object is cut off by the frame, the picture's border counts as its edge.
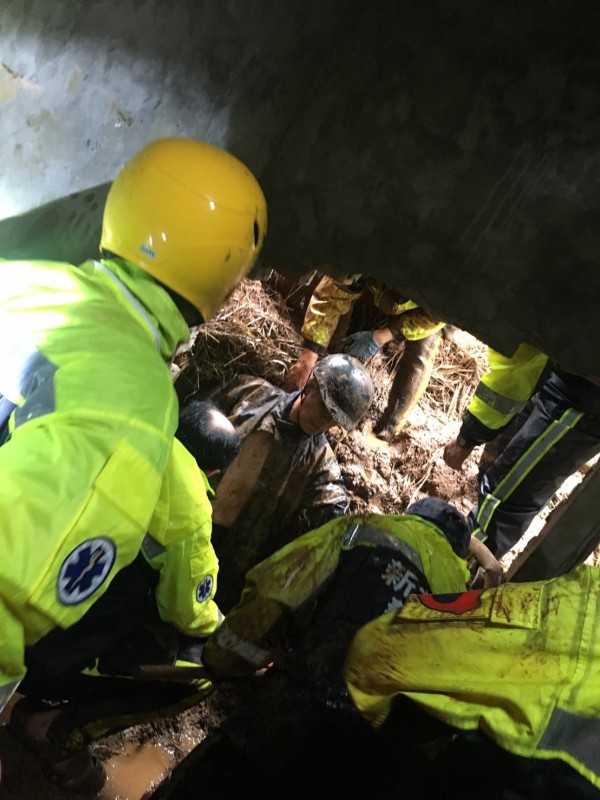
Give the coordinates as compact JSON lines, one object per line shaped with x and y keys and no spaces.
{"x":346,"y":388}
{"x":447,"y":518}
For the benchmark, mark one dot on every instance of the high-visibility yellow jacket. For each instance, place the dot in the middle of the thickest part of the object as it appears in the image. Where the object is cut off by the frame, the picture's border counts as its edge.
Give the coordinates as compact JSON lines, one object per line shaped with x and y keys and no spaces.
{"x":502,"y":392}
{"x":178,"y":545}
{"x":332,"y":299}
{"x":520,"y":662}
{"x":83,"y":354}
{"x":281,"y":584}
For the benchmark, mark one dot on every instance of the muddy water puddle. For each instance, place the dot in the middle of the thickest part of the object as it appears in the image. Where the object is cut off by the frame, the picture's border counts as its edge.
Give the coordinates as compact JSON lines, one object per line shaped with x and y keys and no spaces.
{"x":136,"y":771}
{"x":141,"y":768}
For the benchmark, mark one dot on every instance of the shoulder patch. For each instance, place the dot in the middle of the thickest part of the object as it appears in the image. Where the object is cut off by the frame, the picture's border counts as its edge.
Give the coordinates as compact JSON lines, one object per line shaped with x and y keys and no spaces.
{"x":84,"y":570}
{"x":204,"y":589}
{"x":455,"y":603}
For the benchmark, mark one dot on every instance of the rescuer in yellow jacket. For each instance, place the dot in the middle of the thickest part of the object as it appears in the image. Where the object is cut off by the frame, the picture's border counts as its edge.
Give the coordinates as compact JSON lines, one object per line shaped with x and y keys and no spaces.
{"x":559,"y":431}
{"x":520,"y":662}
{"x":299,"y":612}
{"x":88,"y":408}
{"x":405,"y":322}
{"x":346,"y":572}
{"x":157,"y":611}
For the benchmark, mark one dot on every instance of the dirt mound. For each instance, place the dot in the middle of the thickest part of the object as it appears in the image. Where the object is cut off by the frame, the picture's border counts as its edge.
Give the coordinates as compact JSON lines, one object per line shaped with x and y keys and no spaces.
{"x":255,"y":334}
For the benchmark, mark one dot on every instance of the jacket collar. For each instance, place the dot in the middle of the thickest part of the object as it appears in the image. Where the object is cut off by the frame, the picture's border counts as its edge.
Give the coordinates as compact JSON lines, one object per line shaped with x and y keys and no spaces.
{"x":158,"y":312}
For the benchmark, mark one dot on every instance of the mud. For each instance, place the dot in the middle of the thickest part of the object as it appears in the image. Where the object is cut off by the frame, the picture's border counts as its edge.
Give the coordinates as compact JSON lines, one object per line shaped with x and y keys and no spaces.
{"x":139,"y":768}
{"x":260,"y":755}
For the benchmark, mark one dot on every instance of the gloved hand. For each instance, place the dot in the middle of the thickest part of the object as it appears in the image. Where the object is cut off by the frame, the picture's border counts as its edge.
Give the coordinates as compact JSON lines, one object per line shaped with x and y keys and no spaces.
{"x":360,"y":345}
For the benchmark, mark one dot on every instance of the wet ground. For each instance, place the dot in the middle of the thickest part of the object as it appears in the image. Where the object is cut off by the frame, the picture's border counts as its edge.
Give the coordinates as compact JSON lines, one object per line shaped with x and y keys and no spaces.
{"x":273,"y":749}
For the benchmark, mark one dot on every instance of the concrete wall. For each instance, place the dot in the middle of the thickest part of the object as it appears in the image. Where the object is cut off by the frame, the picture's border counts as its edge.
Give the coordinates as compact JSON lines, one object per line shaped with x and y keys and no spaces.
{"x":85,"y":83}
{"x":446,"y":147}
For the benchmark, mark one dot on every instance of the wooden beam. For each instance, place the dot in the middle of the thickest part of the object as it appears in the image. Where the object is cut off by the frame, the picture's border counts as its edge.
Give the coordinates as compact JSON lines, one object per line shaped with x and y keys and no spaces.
{"x":570,"y":535}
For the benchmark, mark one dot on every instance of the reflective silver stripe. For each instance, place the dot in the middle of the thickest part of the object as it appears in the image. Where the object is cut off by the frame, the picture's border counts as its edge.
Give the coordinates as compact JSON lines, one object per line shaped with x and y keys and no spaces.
{"x":525,"y":464}
{"x":133,"y":302}
{"x":578,"y":736}
{"x":486,"y":511}
{"x":6,"y":692}
{"x":361,"y":533}
{"x":151,"y":548}
{"x":479,"y":534}
{"x":36,"y":385}
{"x":350,"y":535}
{"x":499,"y":402}
{"x":229,"y":640}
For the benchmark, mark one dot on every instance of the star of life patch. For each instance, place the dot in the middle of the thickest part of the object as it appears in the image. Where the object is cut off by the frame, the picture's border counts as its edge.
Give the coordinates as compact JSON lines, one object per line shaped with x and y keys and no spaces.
{"x":84,"y":570}
{"x":204,"y":589}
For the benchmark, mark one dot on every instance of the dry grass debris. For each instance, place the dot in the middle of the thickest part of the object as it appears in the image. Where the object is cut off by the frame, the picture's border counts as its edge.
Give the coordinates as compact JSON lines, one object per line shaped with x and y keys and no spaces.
{"x":254,"y":334}
{"x":251,"y":335}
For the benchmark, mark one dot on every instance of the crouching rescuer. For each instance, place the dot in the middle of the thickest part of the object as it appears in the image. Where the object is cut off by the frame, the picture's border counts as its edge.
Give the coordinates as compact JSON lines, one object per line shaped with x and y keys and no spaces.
{"x":302,"y":605}
{"x":519,"y":663}
{"x":88,"y":408}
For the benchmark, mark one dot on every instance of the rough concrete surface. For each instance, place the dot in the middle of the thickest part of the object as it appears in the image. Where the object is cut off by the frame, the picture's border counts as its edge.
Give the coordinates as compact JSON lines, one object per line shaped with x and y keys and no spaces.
{"x":448,"y":148}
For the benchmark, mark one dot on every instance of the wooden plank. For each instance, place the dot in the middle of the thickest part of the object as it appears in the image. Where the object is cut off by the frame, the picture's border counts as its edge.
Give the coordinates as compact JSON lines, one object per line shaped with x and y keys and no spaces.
{"x":570,"y":535}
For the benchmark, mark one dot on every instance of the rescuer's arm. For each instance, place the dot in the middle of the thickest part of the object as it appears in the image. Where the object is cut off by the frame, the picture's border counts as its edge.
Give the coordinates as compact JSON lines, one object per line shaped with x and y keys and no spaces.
{"x":251,"y":635}
{"x":488,"y":562}
{"x":178,"y":546}
{"x":501,"y":393}
{"x":329,"y":302}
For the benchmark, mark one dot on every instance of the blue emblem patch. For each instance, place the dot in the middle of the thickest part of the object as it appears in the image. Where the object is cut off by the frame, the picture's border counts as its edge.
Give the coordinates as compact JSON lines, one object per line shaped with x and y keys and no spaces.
{"x":84,"y":570}
{"x":204,"y":588}
{"x":147,"y":250}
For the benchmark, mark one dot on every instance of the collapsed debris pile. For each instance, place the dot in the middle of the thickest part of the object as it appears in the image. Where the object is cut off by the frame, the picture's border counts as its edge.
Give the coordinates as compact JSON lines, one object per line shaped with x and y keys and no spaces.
{"x":254,"y":334}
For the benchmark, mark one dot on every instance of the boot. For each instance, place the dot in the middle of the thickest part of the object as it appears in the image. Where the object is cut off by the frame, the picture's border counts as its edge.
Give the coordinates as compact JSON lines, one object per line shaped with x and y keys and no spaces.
{"x":410,"y":383}
{"x":39,"y":727}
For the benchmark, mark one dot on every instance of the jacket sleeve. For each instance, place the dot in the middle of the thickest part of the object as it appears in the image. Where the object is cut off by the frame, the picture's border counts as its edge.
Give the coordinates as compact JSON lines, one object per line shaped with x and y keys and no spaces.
{"x":329,"y":302}
{"x":415,"y":324}
{"x":178,"y":546}
{"x":250,"y":637}
{"x":502,"y":392}
{"x":12,"y":648}
{"x":405,"y":318}
{"x":228,"y":397}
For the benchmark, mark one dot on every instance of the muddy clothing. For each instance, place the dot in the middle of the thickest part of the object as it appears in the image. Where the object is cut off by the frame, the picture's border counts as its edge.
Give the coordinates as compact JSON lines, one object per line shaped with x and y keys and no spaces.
{"x":561,"y":432}
{"x":416,"y":327}
{"x":280,"y":473}
{"x":412,"y":377}
{"x":520,"y":662}
{"x":332,"y":299}
{"x":84,"y":365}
{"x":315,"y":593}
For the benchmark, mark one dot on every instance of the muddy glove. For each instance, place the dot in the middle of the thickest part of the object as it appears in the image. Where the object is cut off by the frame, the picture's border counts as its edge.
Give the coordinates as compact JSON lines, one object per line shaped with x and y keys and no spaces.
{"x":360,"y":345}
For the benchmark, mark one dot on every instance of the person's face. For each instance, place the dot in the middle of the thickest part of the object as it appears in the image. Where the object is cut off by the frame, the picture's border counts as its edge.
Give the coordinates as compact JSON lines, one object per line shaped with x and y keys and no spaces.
{"x":313,"y":416}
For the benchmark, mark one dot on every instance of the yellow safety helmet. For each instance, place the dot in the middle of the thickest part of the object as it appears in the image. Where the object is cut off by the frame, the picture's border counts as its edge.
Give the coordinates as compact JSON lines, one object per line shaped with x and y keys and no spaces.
{"x":189,"y":214}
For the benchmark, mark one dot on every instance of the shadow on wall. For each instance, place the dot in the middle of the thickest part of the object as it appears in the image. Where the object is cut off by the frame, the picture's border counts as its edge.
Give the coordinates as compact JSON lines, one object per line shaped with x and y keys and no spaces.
{"x":67,"y":229}
{"x":448,"y":149}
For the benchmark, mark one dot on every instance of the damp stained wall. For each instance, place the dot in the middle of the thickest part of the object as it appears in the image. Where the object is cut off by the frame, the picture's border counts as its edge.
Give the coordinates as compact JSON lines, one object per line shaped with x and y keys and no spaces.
{"x":449,"y":148}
